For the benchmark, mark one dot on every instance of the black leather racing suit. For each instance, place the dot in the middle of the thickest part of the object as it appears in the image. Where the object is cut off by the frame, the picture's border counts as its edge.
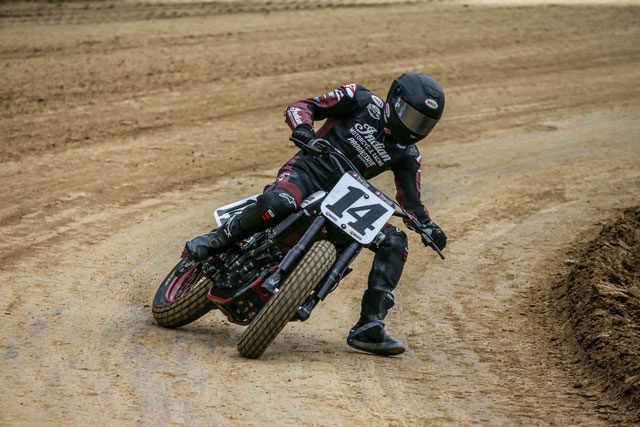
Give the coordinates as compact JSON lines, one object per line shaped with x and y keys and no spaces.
{"x":355,"y":125}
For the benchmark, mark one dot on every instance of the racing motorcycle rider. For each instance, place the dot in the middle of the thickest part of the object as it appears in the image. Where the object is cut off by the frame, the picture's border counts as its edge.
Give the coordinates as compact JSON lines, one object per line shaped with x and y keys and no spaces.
{"x":376,"y":136}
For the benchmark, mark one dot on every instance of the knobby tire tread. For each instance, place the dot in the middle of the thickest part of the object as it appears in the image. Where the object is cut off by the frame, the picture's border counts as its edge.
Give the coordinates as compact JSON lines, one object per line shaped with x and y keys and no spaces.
{"x":282,"y":306}
{"x":184,"y":310}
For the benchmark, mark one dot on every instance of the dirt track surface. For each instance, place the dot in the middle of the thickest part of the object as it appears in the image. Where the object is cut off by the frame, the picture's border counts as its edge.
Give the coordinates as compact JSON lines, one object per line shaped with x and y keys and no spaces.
{"x":124,"y":124}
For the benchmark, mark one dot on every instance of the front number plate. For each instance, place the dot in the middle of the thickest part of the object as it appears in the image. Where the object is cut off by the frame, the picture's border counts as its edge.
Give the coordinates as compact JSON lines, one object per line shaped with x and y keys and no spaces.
{"x":357,"y":208}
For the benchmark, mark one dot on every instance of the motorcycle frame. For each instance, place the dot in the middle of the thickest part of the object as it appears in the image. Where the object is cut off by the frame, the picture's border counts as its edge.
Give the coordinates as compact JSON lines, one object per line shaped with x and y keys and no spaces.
{"x":265,"y":286}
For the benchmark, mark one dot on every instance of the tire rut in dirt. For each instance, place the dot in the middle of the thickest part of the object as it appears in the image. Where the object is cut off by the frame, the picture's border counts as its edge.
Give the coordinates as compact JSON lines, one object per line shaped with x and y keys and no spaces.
{"x":282,"y":306}
{"x":185,"y":309}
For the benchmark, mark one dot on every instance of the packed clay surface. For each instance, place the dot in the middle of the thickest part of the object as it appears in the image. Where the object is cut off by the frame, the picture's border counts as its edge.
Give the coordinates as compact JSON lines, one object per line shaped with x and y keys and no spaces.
{"x":124,"y":124}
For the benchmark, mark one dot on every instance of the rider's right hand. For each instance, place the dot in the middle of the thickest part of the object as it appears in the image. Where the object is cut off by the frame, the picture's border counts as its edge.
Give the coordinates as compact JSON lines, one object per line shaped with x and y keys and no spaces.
{"x":304,"y":133}
{"x":435,"y":233}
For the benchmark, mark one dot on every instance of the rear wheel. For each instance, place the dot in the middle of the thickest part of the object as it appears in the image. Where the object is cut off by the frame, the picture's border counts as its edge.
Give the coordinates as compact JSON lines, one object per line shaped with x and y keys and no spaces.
{"x":182,"y":296}
{"x":283,"y":305}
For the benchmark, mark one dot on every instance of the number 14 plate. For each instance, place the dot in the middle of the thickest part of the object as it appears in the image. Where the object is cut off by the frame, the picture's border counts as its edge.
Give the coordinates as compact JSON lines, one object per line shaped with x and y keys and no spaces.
{"x":357,"y":207}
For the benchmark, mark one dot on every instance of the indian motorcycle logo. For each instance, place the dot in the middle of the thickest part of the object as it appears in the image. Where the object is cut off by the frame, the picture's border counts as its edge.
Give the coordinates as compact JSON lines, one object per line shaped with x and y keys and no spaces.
{"x":370,"y":150}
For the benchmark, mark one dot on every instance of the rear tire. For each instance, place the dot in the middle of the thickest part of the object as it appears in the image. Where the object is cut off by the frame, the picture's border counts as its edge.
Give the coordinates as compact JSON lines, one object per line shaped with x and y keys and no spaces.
{"x":283,"y":305}
{"x":177,"y":302}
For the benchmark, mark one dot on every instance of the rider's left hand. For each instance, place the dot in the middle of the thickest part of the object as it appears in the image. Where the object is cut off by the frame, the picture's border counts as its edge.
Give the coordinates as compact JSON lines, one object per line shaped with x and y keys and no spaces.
{"x":435,"y":232}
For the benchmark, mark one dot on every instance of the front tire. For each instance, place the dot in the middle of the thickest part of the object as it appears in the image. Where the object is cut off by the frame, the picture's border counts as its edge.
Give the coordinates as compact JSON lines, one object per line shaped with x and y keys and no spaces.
{"x":182,"y":297}
{"x":282,"y":306}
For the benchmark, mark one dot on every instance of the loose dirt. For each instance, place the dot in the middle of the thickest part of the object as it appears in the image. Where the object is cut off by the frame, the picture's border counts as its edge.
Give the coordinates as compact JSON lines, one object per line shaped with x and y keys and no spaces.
{"x":124,"y":124}
{"x":600,"y":299}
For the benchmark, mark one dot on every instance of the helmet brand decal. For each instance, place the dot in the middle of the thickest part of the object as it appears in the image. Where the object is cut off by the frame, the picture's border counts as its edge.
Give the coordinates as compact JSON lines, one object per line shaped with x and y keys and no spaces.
{"x":374,"y":111}
{"x":431,"y":103}
{"x":378,"y":101}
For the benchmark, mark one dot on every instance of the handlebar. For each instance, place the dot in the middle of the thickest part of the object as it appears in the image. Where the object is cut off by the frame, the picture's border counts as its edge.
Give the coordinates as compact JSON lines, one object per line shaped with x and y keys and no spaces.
{"x":426,"y":239}
{"x":328,"y":150}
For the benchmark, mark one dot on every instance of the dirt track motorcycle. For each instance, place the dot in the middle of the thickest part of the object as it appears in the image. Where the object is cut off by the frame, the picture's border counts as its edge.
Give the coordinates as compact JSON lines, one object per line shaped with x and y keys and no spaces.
{"x":281,"y":274}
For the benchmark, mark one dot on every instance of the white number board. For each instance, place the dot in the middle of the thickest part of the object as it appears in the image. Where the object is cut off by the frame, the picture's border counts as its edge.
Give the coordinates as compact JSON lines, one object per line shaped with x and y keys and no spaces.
{"x":223,"y":214}
{"x":357,"y":208}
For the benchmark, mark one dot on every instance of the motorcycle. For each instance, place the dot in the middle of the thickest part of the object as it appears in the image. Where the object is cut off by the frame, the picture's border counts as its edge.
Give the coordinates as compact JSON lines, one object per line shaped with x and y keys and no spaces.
{"x":282,"y":274}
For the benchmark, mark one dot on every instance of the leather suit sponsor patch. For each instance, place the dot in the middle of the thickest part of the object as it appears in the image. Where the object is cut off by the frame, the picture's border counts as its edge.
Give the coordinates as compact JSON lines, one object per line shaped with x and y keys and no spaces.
{"x":288,"y":198}
{"x":370,"y":151}
{"x":294,"y":116}
{"x":350,"y":89}
{"x":374,"y":111}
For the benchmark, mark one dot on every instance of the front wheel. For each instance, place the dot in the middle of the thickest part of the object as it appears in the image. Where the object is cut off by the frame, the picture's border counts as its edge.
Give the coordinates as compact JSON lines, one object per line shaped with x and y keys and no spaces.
{"x":282,"y":305}
{"x":182,"y":296}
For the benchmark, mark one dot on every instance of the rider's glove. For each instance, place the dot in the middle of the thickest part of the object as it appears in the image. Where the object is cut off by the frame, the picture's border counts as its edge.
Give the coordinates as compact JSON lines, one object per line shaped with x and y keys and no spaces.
{"x":437,"y":235}
{"x":304,"y":133}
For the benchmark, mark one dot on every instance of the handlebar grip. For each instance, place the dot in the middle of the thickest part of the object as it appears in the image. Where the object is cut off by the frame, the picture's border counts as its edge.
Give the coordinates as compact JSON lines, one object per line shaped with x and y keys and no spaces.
{"x":308,"y":148}
{"x":298,"y":143}
{"x":427,"y":241}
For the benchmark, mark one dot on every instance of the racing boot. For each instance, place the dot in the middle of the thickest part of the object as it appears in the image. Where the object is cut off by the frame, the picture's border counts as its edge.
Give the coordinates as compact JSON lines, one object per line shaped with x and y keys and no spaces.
{"x":369,"y":334}
{"x":215,"y":241}
{"x":270,"y":208}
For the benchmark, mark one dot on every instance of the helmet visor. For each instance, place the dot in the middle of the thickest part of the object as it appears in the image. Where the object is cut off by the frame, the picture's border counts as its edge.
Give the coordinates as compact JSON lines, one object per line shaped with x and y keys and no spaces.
{"x":413,"y":119}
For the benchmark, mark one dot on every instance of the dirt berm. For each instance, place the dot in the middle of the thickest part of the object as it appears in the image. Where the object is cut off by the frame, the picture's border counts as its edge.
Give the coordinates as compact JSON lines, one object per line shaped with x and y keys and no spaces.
{"x":600,"y":297}
{"x":124,"y":124}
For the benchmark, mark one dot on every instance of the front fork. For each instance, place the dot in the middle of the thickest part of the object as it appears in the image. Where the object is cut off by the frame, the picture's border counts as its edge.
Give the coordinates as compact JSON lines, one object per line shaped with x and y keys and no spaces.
{"x":291,"y":259}
{"x":331,"y":280}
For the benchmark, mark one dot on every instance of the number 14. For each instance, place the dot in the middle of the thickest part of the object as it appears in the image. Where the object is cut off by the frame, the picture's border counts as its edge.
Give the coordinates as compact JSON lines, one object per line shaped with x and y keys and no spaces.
{"x":371,"y":212}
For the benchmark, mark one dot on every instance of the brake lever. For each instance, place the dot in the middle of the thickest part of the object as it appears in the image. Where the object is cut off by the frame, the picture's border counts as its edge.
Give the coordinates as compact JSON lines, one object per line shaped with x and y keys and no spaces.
{"x":426,"y":239}
{"x":298,"y":143}
{"x":308,"y":148}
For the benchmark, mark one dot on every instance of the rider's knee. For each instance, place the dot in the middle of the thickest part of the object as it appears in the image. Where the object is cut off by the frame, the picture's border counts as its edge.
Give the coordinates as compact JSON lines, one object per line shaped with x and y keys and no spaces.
{"x":394,"y":238}
{"x":281,"y":201}
{"x":271,"y":206}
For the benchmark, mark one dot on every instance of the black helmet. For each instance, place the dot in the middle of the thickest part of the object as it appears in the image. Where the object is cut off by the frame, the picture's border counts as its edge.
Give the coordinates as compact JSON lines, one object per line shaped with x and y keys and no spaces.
{"x":414,"y":105}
